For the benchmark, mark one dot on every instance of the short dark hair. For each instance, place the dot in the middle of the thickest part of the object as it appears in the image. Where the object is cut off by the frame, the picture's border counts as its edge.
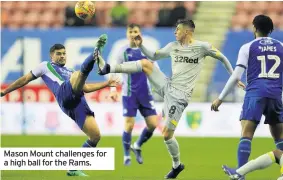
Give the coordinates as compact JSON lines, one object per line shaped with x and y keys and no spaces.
{"x":187,"y":22}
{"x":56,"y":47}
{"x":132,"y":25}
{"x":263,"y":24}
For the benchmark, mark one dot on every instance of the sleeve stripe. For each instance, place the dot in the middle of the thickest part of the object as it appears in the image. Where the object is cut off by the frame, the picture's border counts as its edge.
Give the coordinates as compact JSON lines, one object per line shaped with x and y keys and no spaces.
{"x":240,"y":65}
{"x":33,"y":75}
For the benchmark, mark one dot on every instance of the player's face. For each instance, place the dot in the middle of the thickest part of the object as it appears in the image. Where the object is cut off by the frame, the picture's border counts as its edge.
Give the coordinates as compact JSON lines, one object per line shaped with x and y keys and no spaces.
{"x":59,"y":56}
{"x":133,"y":32}
{"x":181,"y":32}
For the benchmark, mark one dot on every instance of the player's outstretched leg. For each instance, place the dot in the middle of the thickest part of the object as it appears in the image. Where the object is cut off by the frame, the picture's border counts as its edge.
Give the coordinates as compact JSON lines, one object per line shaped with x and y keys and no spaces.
{"x":78,"y":78}
{"x":127,"y":67}
{"x":173,"y":148}
{"x":261,"y":162}
{"x":90,"y":128}
{"x":146,"y":134}
{"x":156,"y":78}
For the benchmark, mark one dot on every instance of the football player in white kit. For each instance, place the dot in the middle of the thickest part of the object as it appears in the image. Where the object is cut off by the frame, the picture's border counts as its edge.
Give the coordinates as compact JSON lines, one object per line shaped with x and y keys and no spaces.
{"x":187,"y":57}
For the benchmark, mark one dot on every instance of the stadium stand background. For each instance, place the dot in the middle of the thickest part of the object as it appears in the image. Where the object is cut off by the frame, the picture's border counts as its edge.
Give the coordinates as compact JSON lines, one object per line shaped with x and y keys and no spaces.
{"x":227,"y":25}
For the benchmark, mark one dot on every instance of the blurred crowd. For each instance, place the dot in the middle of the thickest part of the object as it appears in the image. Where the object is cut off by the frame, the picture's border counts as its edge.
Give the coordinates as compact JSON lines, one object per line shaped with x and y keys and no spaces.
{"x":45,"y":14}
{"x":247,"y":10}
{"x":57,"y":14}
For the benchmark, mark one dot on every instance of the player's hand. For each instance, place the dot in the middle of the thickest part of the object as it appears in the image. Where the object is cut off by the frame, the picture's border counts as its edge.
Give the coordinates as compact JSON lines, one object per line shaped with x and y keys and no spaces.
{"x":113,"y":81}
{"x":241,"y":85}
{"x":138,"y":40}
{"x":2,"y":93}
{"x":114,"y":95}
{"x":215,"y":105}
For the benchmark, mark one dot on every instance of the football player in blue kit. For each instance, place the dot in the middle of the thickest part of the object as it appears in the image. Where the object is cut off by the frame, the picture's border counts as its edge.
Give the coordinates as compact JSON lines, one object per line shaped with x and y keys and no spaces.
{"x":68,"y":87}
{"x":262,"y":59}
{"x":137,"y":95}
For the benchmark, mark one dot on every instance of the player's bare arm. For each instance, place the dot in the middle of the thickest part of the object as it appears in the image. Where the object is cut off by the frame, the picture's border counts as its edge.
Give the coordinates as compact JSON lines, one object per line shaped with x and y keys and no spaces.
{"x":113,"y":95}
{"x":112,"y":82}
{"x":22,"y":81}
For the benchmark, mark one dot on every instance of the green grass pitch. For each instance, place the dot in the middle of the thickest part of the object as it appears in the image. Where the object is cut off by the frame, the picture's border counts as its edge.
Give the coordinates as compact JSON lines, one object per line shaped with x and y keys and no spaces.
{"x":202,"y":157}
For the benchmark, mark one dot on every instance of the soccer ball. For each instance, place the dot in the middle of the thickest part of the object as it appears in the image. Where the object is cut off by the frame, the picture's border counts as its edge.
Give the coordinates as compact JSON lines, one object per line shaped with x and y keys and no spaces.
{"x":84,"y":9}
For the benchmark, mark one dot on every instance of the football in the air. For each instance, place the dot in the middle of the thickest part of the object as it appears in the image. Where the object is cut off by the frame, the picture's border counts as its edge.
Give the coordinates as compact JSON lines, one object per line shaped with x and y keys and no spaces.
{"x":84,"y":9}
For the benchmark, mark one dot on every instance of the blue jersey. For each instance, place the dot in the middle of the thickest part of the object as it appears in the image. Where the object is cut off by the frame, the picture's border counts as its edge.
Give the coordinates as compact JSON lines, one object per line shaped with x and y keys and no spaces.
{"x":52,"y":74}
{"x":262,"y":59}
{"x":56,"y":78}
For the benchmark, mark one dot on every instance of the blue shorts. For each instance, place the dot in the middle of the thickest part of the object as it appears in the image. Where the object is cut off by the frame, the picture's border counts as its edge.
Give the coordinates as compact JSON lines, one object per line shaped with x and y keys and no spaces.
{"x":74,"y":105}
{"x":144,"y":104}
{"x":255,"y":107}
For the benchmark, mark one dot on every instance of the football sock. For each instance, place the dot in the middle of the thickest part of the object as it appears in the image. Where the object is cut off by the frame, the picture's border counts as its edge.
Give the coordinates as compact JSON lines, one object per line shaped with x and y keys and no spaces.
{"x":127,"y":67}
{"x":173,"y":148}
{"x":244,"y":151}
{"x":101,"y":61}
{"x":261,"y":162}
{"x":89,"y":143}
{"x":87,"y":65}
{"x":127,"y":137}
{"x":145,"y":135}
{"x":279,"y":144}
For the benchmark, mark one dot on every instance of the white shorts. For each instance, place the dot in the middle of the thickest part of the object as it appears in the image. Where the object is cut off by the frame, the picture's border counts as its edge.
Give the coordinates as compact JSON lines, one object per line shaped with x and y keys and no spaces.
{"x":175,"y":100}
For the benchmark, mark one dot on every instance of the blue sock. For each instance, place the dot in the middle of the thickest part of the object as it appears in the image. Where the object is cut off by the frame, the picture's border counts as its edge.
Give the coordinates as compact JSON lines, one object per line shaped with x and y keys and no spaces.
{"x":127,"y":137}
{"x":87,"y":65}
{"x":88,"y":144}
{"x":244,"y":151}
{"x":145,"y":135}
{"x":279,"y":144}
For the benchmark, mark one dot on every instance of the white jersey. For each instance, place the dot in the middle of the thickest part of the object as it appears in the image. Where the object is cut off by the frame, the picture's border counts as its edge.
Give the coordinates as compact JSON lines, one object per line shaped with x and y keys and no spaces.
{"x":187,"y":62}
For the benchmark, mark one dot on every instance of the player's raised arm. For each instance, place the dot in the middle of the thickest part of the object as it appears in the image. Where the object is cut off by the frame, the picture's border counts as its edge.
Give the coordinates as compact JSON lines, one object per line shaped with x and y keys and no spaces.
{"x":234,"y":78}
{"x":154,"y":55}
{"x":24,"y":80}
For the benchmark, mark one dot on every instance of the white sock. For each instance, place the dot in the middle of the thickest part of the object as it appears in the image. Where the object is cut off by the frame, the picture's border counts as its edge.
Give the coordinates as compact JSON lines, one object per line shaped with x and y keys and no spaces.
{"x":127,"y":67}
{"x":136,"y":146}
{"x":261,"y":162}
{"x":127,"y":157}
{"x":101,"y":62}
{"x":173,"y":148}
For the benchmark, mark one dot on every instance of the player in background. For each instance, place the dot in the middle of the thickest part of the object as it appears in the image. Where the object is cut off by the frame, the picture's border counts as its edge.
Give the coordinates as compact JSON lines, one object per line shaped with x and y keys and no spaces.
{"x":187,"y":57}
{"x":259,"y":163}
{"x":137,"y":95}
{"x":68,"y":87}
{"x":262,"y":58}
